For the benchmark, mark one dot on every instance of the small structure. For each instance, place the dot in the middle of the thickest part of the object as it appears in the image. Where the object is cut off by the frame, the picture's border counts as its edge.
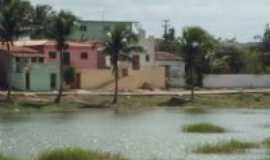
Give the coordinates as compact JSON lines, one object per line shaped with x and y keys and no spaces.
{"x":28,"y":69}
{"x":175,"y":69}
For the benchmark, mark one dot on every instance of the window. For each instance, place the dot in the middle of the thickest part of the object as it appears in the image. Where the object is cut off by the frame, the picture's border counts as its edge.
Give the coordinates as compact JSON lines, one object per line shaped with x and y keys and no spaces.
{"x":34,"y":59}
{"x":147,"y":58}
{"x":83,"y":28}
{"x":84,"y":55}
{"x":40,"y":60}
{"x":52,"y":55}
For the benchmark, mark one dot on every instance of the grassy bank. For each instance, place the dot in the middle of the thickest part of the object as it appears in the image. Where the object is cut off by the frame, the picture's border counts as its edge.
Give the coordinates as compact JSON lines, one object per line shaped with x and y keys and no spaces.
{"x":134,"y":103}
{"x":72,"y":154}
{"x":230,"y":147}
{"x":77,"y":154}
{"x":203,"y":128}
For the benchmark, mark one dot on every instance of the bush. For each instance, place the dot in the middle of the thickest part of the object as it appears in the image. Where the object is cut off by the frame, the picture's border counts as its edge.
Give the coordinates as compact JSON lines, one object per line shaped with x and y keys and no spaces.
{"x":76,"y":154}
{"x":266,"y":142}
{"x":69,"y":75}
{"x":233,"y":146}
{"x":196,"y":110}
{"x":203,"y":128}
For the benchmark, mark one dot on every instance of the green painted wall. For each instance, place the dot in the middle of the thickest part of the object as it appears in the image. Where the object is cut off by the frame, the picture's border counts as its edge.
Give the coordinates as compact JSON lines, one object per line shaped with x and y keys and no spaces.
{"x":39,"y":76}
{"x":95,"y":30}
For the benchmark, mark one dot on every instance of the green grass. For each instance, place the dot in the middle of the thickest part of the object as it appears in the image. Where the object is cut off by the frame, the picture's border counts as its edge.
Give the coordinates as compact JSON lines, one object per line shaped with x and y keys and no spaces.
{"x":231,"y":147}
{"x":77,"y":154}
{"x":133,"y":103}
{"x":195,"y":110}
{"x":266,"y":143}
{"x":202,"y":128}
{"x":2,"y":157}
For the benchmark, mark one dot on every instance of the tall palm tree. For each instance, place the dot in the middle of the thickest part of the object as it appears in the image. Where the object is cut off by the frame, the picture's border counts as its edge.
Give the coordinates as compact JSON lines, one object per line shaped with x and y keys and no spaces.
{"x":196,"y":43}
{"x":121,"y":41}
{"x":14,"y":21}
{"x":61,"y":28}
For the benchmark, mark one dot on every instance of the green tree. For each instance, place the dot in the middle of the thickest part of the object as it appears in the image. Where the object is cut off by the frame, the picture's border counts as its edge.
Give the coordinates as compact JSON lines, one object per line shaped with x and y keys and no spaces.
{"x":120,"y":42}
{"x":41,"y":19}
{"x":60,"y":30}
{"x":14,"y":22}
{"x":196,"y":44}
{"x":69,"y":75}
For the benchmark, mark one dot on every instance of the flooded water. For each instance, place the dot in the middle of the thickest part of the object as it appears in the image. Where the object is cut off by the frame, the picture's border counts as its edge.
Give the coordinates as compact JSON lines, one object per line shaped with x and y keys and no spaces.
{"x":139,"y":136}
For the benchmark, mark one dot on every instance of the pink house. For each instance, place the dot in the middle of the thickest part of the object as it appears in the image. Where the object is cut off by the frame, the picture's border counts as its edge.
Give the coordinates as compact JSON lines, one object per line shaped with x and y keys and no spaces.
{"x":81,"y":55}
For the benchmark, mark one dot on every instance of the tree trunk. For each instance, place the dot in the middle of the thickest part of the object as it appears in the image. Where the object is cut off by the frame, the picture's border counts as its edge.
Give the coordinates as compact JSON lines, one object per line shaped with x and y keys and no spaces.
{"x":116,"y":78}
{"x":60,"y":91}
{"x":192,"y":83}
{"x":9,"y":73}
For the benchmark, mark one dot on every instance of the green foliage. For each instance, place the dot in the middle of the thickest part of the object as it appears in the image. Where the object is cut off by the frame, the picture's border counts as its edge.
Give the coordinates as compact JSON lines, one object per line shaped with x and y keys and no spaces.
{"x":266,"y":142}
{"x":76,"y":154}
{"x":196,"y":110}
{"x":2,"y":157}
{"x":231,"y":147}
{"x":41,"y":19}
{"x":203,"y":128}
{"x":69,"y":75}
{"x":14,"y":19}
{"x":195,"y":57}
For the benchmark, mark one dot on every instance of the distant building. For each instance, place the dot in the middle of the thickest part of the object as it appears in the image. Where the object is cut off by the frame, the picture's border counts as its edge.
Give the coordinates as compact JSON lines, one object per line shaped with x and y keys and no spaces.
{"x":96,"y":30}
{"x":175,"y":69}
{"x":28,"y":69}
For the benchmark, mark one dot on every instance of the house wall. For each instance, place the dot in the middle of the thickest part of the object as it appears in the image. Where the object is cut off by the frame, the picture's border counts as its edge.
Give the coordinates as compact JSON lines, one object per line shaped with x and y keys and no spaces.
{"x":176,"y":73}
{"x":75,"y":57}
{"x":95,"y":30}
{"x":236,"y":81}
{"x":39,"y":77}
{"x":103,"y":79}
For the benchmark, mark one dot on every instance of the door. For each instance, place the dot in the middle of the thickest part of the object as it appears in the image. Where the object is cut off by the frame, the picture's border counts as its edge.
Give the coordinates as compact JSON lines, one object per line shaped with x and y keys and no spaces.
{"x":66,"y":58}
{"x":78,"y":81}
{"x":53,"y":81}
{"x":27,"y":81}
{"x":136,"y":62}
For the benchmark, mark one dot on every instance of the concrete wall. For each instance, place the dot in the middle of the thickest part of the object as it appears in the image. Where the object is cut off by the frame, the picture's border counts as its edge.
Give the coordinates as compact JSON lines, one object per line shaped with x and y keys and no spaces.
{"x":103,"y":79}
{"x":75,"y":56}
{"x":236,"y":81}
{"x":176,"y":73}
{"x":39,"y":77}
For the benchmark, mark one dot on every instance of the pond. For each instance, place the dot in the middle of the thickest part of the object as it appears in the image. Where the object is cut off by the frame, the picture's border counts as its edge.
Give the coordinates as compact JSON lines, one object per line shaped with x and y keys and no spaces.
{"x":146,"y":135}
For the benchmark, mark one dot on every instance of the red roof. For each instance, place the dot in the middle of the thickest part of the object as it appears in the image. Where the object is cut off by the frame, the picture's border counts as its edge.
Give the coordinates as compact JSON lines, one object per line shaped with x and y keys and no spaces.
{"x":166,"y":56}
{"x":19,"y":50}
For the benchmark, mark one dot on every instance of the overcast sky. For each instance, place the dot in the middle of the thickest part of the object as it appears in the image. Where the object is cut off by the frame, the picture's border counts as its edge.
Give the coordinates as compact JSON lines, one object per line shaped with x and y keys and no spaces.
{"x":242,"y":19}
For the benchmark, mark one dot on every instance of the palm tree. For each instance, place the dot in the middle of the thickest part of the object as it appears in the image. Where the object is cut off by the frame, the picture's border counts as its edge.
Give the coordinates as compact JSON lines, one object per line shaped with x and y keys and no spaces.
{"x":14,"y":20}
{"x":196,"y":43}
{"x":61,"y":28}
{"x":120,"y":42}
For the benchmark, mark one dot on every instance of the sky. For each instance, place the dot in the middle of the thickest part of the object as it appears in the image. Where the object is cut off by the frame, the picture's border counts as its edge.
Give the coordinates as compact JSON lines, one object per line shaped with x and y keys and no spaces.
{"x":242,"y":19}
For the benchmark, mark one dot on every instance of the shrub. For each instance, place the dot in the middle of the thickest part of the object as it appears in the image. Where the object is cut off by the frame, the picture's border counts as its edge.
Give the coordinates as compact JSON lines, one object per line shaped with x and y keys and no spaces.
{"x":195,"y":110}
{"x":266,"y":142}
{"x":233,"y":146}
{"x":69,"y":75}
{"x":203,"y":128}
{"x":76,"y":154}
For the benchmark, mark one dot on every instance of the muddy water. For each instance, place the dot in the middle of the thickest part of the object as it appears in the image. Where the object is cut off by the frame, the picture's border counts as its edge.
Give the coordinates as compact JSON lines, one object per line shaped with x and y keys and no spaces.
{"x":138,"y":136}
